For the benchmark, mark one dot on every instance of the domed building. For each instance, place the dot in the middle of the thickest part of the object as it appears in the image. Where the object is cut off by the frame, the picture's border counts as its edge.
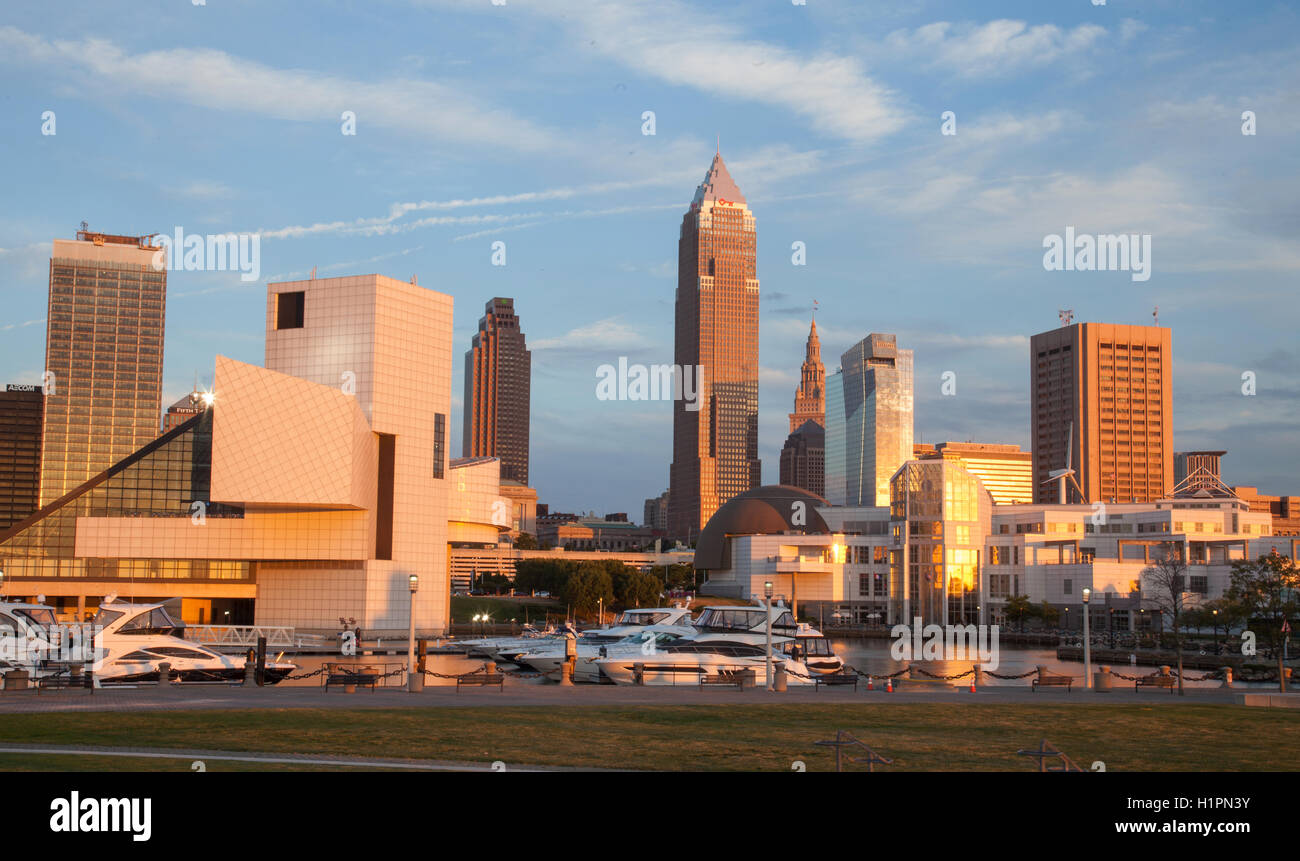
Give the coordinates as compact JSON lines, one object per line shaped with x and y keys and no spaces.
{"x":772,"y":533}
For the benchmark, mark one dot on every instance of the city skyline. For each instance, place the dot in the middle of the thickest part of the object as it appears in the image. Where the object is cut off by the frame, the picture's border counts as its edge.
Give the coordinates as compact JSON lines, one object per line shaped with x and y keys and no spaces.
{"x":856,"y":168}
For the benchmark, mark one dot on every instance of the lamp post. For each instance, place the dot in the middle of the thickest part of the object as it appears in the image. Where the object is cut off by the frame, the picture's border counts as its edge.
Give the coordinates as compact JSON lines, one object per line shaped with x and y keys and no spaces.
{"x":1216,"y":631}
{"x":767,"y":604}
{"x":1087,"y":641}
{"x":413,"y":684}
{"x":2,"y":585}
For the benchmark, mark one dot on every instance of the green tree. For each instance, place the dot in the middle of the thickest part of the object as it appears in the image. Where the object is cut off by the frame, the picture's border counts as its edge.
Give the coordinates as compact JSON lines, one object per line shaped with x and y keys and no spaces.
{"x":1018,"y":607}
{"x":681,"y":575}
{"x":543,"y":575}
{"x":1047,"y":613}
{"x":1266,"y":592}
{"x":633,"y":588}
{"x":525,"y":541}
{"x":587,"y":588}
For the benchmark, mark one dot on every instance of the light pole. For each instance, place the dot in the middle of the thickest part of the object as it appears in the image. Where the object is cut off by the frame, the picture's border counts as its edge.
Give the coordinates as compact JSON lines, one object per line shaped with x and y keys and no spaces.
{"x":1216,"y":631}
{"x":767,"y":604}
{"x":414,"y":684}
{"x":1087,"y":641}
{"x":2,"y":585}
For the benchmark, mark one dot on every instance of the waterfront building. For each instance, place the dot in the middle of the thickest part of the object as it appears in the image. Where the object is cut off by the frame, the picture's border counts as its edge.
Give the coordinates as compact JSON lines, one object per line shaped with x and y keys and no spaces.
{"x":307,"y":490}
{"x":103,"y":356}
{"x":1005,"y":471}
{"x":715,"y":437}
{"x":22,"y":418}
{"x":803,"y":458}
{"x":498,"y":387}
{"x":1101,"y":398}
{"x":868,"y":421}
{"x":1284,"y":510}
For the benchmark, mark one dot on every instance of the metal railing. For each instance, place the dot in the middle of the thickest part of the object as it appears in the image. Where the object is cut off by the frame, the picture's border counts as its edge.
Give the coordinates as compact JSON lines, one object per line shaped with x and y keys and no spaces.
{"x":243,"y":635}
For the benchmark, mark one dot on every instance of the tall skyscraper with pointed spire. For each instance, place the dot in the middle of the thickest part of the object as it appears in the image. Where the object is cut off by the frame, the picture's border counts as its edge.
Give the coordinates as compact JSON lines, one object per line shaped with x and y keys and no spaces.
{"x":810,"y":398}
{"x":715,"y":437}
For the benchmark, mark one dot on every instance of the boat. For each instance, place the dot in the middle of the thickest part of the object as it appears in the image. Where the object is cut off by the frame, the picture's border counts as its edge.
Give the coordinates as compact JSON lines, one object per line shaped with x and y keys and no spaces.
{"x":32,"y":640}
{"x":647,"y":641}
{"x":730,"y":639}
{"x":132,"y":640}
{"x":627,"y":623}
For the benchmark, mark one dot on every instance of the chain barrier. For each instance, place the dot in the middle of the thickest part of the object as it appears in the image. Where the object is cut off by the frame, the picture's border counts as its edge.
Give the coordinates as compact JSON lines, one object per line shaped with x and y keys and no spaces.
{"x":1006,"y":676}
{"x":296,"y":677}
{"x":926,"y":672}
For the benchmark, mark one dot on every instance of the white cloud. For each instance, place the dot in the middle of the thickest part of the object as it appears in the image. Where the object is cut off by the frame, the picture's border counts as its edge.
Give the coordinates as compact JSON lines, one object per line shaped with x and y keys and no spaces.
{"x":997,"y":47}
{"x":610,"y":334}
{"x":215,"y":79}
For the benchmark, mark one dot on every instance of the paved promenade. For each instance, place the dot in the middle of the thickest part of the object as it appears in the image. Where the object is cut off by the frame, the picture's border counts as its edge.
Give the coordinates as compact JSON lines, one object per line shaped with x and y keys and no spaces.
{"x":555,"y":696}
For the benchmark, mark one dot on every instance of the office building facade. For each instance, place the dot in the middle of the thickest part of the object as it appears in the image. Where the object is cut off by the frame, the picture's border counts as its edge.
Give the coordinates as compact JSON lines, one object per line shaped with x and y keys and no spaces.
{"x":1005,"y":471}
{"x":1101,"y":399}
{"x":715,"y":438}
{"x":103,"y":356}
{"x":803,"y":458}
{"x":22,"y":418}
{"x":869,"y":405}
{"x":498,"y":387}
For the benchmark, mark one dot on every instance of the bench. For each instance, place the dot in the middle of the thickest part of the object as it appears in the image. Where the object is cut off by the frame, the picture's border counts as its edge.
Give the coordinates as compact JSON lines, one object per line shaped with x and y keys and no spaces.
{"x":482,"y":680}
{"x":1155,"y":681}
{"x":350,"y":676}
{"x":724,"y":678}
{"x":61,"y":679}
{"x":1053,"y":682}
{"x":836,"y":679}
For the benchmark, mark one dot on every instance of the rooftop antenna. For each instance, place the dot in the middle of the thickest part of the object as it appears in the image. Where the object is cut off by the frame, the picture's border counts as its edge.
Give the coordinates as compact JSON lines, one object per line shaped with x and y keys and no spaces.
{"x":1066,"y":316}
{"x":413,"y":281}
{"x":1155,"y":315}
{"x":313,"y":273}
{"x":718,"y":151}
{"x":814,"y":309}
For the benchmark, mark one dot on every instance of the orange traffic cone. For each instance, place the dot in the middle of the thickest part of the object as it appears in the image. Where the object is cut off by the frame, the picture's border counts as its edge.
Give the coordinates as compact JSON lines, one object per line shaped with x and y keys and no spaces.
{"x":870,"y":687}
{"x":972,"y":684}
{"x":889,"y":685}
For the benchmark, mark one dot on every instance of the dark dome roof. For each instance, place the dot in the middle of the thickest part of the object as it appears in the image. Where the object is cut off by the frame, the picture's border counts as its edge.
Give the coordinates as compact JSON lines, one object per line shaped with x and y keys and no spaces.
{"x":762,"y":511}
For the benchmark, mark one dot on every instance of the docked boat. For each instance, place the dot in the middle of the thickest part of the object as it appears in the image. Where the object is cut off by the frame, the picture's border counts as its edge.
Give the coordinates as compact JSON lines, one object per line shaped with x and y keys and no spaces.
{"x":729,"y":639}
{"x":31,"y":639}
{"x":627,"y":623}
{"x":133,"y":639}
{"x":646,"y":641}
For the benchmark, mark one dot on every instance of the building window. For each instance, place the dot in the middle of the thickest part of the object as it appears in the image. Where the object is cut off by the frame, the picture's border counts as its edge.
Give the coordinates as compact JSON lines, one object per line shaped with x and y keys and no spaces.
{"x":1069,"y":586}
{"x":289,"y":310}
{"x":439,"y":444}
{"x":864,"y":585}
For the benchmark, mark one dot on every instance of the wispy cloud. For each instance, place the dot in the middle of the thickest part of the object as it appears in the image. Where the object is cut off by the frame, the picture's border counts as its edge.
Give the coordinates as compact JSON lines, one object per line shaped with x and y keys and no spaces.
{"x":998,"y":47}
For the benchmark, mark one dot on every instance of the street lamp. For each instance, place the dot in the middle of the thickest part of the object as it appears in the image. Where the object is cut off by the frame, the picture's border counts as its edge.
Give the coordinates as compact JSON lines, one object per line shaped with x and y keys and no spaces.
{"x":1216,"y":631}
{"x":2,"y":585}
{"x":414,"y":683}
{"x":1087,"y":641}
{"x":767,"y":604}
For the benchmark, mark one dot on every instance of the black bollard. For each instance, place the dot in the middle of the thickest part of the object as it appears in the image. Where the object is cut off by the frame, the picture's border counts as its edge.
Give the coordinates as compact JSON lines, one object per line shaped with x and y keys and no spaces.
{"x":422,"y":655}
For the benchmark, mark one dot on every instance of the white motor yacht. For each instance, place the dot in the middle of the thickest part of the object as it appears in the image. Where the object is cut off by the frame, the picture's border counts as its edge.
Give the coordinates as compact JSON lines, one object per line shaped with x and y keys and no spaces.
{"x":730,"y":638}
{"x":31,"y":639}
{"x":135,"y":638}
{"x":646,"y":641}
{"x":624,"y":625}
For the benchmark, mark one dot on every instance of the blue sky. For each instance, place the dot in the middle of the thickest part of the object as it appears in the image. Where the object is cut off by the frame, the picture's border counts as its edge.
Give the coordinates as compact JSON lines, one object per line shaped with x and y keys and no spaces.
{"x":523,"y":123}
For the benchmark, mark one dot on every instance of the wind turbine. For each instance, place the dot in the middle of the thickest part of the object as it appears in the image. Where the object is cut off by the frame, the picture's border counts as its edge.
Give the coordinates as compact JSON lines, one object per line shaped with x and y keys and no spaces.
{"x":1060,"y":475}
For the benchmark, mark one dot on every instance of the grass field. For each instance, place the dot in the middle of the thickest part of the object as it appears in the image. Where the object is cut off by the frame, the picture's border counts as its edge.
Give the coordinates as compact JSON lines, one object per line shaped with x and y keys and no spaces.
{"x":710,"y":737}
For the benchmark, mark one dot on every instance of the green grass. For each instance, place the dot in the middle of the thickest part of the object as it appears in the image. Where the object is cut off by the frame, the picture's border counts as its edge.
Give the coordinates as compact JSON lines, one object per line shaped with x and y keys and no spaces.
{"x":709,"y":737}
{"x":65,"y":763}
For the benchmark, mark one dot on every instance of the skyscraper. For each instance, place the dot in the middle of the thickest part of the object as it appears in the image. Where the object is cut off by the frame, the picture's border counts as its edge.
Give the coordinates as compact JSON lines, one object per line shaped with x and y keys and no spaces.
{"x":498,"y":384}
{"x":1101,"y":398}
{"x":103,"y":356}
{"x":803,"y":457}
{"x":810,"y":398}
{"x":715,"y":437}
{"x":868,"y":421}
{"x":1006,"y":472}
{"x":22,"y":411}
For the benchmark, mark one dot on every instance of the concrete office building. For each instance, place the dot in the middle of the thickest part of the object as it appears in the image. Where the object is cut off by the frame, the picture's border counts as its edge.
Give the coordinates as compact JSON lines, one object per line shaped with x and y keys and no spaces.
{"x":715,"y":438}
{"x":1101,"y":398}
{"x":22,"y":418}
{"x":103,"y":356}
{"x":1202,"y":467}
{"x":868,"y":421}
{"x":1005,"y":471}
{"x":498,"y":391}
{"x":310,"y":488}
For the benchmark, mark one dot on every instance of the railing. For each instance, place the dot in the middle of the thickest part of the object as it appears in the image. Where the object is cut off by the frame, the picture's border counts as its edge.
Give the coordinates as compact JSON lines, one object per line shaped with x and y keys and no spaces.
{"x":242,"y":635}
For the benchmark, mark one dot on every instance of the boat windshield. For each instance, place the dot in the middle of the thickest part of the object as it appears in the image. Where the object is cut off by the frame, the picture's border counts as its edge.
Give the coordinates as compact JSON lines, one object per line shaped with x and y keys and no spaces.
{"x":741,"y":619}
{"x":156,"y":621}
{"x":640,"y":617}
{"x":807,"y":647}
{"x":40,"y":616}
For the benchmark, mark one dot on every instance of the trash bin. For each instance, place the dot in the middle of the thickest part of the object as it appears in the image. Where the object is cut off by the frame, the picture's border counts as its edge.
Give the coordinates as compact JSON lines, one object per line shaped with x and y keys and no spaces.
{"x":748,"y":679}
{"x":1101,"y":679}
{"x":780,"y":679}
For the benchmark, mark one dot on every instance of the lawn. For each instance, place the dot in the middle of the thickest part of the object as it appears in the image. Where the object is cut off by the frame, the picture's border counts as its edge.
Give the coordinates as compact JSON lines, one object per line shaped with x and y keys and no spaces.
{"x":712,"y":737}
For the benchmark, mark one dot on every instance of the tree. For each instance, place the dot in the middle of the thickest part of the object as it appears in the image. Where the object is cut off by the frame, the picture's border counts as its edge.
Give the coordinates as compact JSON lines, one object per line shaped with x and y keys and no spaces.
{"x":633,"y":588}
{"x":681,"y":575}
{"x":1047,"y":613}
{"x":588,"y":587}
{"x":543,"y":575}
{"x":1266,"y":592}
{"x":525,"y":541}
{"x":1018,"y":607}
{"x":1165,"y":582}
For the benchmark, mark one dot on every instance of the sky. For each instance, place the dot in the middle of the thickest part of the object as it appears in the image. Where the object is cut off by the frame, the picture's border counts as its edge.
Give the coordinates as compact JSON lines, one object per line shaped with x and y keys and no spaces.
{"x":525,"y":123}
